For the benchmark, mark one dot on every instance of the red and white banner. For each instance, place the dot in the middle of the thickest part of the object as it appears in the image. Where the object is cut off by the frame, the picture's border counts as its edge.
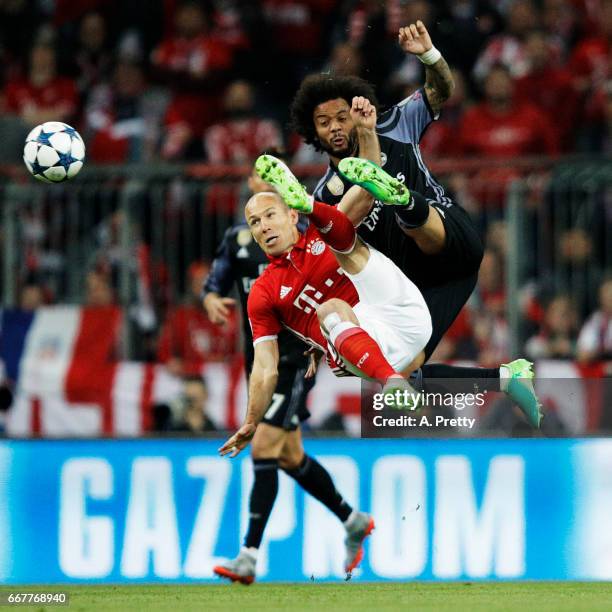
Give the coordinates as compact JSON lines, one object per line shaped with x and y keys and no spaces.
{"x":68,"y":383}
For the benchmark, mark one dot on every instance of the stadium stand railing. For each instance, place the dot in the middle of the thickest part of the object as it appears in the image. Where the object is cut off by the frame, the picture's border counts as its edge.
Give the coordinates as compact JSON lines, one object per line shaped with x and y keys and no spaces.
{"x":142,"y":227}
{"x":146,"y":224}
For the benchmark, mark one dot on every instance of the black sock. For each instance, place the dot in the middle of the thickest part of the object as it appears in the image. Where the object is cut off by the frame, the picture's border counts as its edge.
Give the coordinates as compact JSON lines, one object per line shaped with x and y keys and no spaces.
{"x":485,"y":378}
{"x":414,"y":214}
{"x":263,"y":494}
{"x":315,"y":479}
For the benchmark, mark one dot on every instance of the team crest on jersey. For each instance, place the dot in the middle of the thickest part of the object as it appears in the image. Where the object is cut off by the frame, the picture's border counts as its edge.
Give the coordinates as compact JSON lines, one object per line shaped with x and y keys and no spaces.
{"x":383,"y":158}
{"x":244,"y":237}
{"x":335,"y":185}
{"x":316,"y":247}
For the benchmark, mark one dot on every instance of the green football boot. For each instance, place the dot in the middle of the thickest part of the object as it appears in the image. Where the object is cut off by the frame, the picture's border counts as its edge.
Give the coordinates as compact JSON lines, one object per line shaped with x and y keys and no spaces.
{"x":519,"y":388}
{"x":277,"y":173}
{"x":399,"y":394}
{"x":375,"y":180}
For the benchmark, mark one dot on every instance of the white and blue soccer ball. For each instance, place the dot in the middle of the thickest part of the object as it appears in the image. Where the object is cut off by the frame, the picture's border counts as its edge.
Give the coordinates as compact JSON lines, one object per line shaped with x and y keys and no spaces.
{"x":54,"y":152}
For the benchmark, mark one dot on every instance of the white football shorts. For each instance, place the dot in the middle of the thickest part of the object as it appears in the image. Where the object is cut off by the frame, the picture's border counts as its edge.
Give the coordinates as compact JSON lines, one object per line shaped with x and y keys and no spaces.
{"x":392,"y":310}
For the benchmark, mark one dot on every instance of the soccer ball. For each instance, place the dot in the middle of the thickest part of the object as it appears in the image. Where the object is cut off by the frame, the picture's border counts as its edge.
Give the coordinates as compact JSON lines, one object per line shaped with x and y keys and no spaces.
{"x":54,"y":152}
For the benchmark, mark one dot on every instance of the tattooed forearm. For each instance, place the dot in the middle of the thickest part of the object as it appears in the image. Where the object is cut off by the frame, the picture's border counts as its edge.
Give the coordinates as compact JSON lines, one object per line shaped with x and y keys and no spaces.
{"x":439,"y":84}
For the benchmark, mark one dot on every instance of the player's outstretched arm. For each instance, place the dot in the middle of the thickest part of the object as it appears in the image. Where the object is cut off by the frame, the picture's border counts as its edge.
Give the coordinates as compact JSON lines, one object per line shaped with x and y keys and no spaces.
{"x":356,"y":203}
{"x":363,"y":114}
{"x":262,"y":383}
{"x":439,"y":83}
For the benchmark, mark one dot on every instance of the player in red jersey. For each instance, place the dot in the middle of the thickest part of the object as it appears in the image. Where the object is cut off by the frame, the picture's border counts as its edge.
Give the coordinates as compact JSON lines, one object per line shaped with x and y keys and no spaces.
{"x":341,"y":297}
{"x":330,"y":288}
{"x":280,"y":446}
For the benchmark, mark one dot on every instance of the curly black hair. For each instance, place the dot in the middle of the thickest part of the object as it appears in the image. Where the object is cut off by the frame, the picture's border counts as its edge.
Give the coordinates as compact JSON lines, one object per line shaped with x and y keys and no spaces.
{"x":318,"y":88}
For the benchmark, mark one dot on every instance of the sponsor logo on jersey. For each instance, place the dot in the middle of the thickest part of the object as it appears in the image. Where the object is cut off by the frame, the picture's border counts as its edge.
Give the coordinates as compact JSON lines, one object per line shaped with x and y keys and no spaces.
{"x":335,"y":185}
{"x":244,"y":237}
{"x":284,"y":291}
{"x":316,"y":247}
{"x":372,"y":219}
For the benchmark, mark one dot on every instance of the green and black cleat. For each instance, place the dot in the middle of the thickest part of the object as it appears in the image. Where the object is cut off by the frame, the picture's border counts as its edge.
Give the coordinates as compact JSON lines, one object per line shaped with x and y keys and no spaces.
{"x":374,"y":180}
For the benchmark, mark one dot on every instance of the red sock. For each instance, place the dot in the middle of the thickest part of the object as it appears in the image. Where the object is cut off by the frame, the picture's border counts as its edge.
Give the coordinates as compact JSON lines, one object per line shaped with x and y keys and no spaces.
{"x":357,"y":347}
{"x":334,"y":226}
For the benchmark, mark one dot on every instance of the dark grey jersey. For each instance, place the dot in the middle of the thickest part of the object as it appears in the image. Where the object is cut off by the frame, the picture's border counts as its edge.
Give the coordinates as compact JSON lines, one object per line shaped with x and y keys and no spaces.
{"x":399,"y":130}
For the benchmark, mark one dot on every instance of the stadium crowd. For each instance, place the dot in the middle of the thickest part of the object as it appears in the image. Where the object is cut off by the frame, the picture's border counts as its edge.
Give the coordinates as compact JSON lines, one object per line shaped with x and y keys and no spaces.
{"x":212,"y":82}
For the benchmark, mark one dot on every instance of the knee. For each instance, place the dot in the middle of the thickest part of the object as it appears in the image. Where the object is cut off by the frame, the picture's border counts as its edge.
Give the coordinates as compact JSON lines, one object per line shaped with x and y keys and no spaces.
{"x":263,"y":448}
{"x":290,"y":460}
{"x":330,"y":308}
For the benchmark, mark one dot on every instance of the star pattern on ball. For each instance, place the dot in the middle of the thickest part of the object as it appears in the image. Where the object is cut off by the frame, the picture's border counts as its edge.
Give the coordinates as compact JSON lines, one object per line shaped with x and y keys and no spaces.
{"x":37,"y":168}
{"x":65,"y":159}
{"x":68,"y":153}
{"x":43,"y":138}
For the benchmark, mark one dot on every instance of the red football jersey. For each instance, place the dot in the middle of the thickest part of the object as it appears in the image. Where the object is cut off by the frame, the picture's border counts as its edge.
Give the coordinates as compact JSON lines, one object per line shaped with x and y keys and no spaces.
{"x":59,"y":91}
{"x":523,"y":130}
{"x":293,"y":285}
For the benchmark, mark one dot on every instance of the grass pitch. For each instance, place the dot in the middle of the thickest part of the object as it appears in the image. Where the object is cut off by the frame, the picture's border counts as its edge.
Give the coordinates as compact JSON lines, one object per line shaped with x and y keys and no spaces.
{"x":455,"y":597}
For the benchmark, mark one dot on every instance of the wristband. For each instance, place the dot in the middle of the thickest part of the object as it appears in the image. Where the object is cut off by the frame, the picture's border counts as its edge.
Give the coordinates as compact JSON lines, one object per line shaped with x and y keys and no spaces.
{"x":430,"y":57}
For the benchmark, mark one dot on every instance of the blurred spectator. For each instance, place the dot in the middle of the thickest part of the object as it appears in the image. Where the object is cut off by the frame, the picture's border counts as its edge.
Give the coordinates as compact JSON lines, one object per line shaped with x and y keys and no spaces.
{"x":501,"y":127}
{"x":590,"y":60}
{"x":242,"y":134}
{"x":597,"y":135}
{"x":458,"y":341}
{"x":595,"y":338}
{"x":465,"y":25}
{"x":43,"y":96}
{"x":489,"y":319}
{"x":381,"y":58}
{"x":508,"y":48}
{"x":548,"y":86}
{"x":557,"y":336}
{"x":92,"y":60}
{"x":111,"y":256}
{"x":345,"y":60}
{"x":195,"y":64}
{"x":123,"y":117}
{"x":188,"y":338}
{"x":19,"y":23}
{"x":497,"y":237}
{"x":98,"y":290}
{"x":31,"y":297}
{"x":300,"y":31}
{"x":69,"y":11}
{"x":188,"y":413}
{"x":576,"y":271}
{"x":561,"y":20}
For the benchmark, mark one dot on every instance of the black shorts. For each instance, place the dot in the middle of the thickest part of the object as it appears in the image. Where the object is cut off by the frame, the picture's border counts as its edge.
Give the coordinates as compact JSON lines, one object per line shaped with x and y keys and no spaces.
{"x":444,"y":303}
{"x":463,"y":251}
{"x":288,"y":407}
{"x":456,"y":272}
